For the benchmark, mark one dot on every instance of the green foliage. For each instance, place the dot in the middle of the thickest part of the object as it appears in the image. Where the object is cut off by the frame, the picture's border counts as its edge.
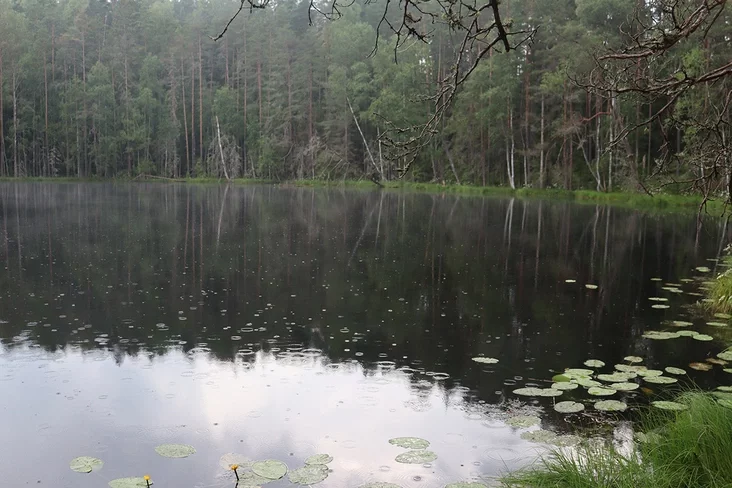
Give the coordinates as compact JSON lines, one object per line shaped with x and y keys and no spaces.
{"x":690,"y":448}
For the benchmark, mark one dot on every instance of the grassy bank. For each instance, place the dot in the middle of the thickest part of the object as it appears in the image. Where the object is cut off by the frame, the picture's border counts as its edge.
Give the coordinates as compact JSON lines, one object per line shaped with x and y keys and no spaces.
{"x":625,"y":199}
{"x":685,"y":449}
{"x":660,"y":201}
{"x":719,"y":292}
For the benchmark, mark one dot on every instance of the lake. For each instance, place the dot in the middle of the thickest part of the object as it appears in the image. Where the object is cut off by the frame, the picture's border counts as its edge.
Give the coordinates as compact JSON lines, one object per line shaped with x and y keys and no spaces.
{"x":280,"y":323}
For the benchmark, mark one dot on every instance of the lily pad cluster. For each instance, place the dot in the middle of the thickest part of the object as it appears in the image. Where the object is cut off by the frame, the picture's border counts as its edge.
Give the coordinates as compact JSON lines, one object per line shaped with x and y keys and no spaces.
{"x":417,"y":453}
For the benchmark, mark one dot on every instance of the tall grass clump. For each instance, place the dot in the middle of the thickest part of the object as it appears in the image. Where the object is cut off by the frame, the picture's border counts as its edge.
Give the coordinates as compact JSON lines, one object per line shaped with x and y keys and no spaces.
{"x":685,"y":449}
{"x":720,"y":291}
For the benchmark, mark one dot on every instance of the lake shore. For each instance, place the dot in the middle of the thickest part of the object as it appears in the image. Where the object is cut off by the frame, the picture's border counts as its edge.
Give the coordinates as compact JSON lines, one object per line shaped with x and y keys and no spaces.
{"x":657,"y":202}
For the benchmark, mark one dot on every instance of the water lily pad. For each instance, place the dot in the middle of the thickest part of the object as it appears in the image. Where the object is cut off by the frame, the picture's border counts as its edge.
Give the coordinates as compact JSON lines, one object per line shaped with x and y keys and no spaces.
{"x":270,"y":469}
{"x":540,"y":435}
{"x":717,"y":324}
{"x":249,"y":479}
{"x":626,"y":368}
{"x":625,"y":386}
{"x":560,"y":378}
{"x":326,"y":458}
{"x":380,"y":484}
{"x":578,"y":373}
{"x":230,"y":458}
{"x":600,"y":391}
{"x":672,"y":370}
{"x":727,"y":370}
{"x":672,"y":289}
{"x":484,"y":360}
{"x":565,"y":440}
{"x":658,"y":299}
{"x":569,"y":407}
{"x":728,"y":389}
{"x":633,"y":359}
{"x":85,"y":464}
{"x":656,"y":279}
{"x":703,"y":269}
{"x":466,"y":484}
{"x":617,"y":377}
{"x":410,"y":442}
{"x":129,"y":483}
{"x":587,"y":383}
{"x":594,"y":363}
{"x":725,"y":402}
{"x":528,"y":391}
{"x":717,"y":361}
{"x":680,"y":323}
{"x":175,"y":450}
{"x":533,"y":391}
{"x":660,"y":306}
{"x":565,"y":385}
{"x":309,"y":474}
{"x":645,"y":373}
{"x":687,"y":333}
{"x":611,"y":406}
{"x":570,"y":281}
{"x":523,"y":421}
{"x":724,"y":395}
{"x":723,"y":316}
{"x":590,"y":286}
{"x":657,"y":335}
{"x":702,"y":337}
{"x":726,"y":355}
{"x":700,"y":366}
{"x":665,"y":405}
{"x":660,"y":380}
{"x":419,"y":456}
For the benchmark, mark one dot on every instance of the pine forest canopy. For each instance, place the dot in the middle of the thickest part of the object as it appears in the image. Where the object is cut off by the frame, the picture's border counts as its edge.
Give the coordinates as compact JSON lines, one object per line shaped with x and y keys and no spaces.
{"x":601,"y":94}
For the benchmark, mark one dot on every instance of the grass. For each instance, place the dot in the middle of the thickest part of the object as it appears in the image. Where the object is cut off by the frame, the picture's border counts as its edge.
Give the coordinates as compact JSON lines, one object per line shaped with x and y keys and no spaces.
{"x":659,"y":201}
{"x":720,"y":291}
{"x":688,"y":449}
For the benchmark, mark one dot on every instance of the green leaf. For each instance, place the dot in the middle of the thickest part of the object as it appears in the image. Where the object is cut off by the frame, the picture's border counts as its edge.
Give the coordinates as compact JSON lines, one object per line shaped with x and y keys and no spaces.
{"x":565,"y":386}
{"x":625,"y":386}
{"x":230,"y":458}
{"x":325,"y":458}
{"x":600,"y":391}
{"x":85,"y":464}
{"x":523,"y":421}
{"x":611,"y":406}
{"x":660,"y":380}
{"x":569,"y":407}
{"x":672,"y":370}
{"x":175,"y":450}
{"x":419,"y":456}
{"x":270,"y":469}
{"x":410,"y":442}
{"x":129,"y":483}
{"x":633,"y":359}
{"x":309,"y":474}
{"x":594,"y":363}
{"x":543,"y":436}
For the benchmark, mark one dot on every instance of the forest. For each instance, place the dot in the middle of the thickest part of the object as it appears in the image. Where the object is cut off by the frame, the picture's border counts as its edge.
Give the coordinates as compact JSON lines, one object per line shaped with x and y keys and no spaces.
{"x":130,"y":88}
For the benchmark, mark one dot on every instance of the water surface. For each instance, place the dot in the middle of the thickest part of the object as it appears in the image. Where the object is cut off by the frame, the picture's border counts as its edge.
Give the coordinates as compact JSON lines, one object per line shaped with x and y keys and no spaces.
{"x":284,"y":322}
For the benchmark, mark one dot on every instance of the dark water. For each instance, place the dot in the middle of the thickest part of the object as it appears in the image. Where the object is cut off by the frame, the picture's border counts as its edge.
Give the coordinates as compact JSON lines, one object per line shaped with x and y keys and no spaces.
{"x":280,"y":323}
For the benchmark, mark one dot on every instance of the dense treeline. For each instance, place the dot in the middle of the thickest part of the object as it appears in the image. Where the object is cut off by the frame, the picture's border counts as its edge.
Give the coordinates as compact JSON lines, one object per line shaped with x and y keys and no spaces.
{"x":125,"y":87}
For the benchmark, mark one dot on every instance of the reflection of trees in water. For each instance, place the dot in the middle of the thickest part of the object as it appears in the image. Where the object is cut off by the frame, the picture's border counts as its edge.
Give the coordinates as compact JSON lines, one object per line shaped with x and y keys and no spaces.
{"x":424,"y":280}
